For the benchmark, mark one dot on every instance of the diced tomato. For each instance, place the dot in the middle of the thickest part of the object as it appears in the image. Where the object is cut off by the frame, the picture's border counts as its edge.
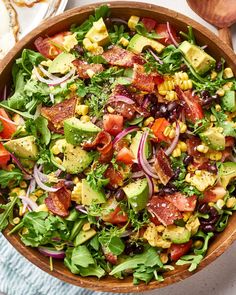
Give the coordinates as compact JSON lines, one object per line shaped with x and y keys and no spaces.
{"x":149,"y":23}
{"x":213,"y":194}
{"x":165,"y":211}
{"x":116,"y":217}
{"x":113,"y":124}
{"x":115,"y":177}
{"x":125,"y":155}
{"x":4,"y":156}
{"x":178,"y":250}
{"x":158,"y":79}
{"x":159,"y":127}
{"x":50,"y":47}
{"x":192,"y":144}
{"x":192,"y":107}
{"x":182,"y":202}
{"x":8,"y":127}
{"x":161,"y":29}
{"x":229,"y":141}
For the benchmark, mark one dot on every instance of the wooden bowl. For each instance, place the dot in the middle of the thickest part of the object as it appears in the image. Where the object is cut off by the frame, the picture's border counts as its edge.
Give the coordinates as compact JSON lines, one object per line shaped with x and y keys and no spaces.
{"x":121,"y":9}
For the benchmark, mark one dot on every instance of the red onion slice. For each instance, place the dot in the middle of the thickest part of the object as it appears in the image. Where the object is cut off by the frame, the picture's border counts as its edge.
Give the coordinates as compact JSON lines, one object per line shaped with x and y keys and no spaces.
{"x":29,"y":203}
{"x":171,"y":36}
{"x":174,"y":143}
{"x":119,"y":20}
{"x":52,"y":98}
{"x":41,"y":184}
{"x":121,"y":98}
{"x":19,"y":165}
{"x":150,"y":186}
{"x":54,"y":82}
{"x":124,"y":133}
{"x":155,"y":56}
{"x":137,"y":174}
{"x":51,"y":252}
{"x":8,"y":120}
{"x":82,"y":209}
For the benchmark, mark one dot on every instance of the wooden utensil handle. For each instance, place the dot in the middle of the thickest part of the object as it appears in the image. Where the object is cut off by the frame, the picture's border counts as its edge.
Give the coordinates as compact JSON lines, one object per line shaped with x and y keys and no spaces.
{"x":225,"y":36}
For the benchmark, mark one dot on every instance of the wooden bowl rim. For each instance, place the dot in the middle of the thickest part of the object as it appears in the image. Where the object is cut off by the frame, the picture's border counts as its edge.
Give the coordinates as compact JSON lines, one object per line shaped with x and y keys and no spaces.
{"x":34,"y":256}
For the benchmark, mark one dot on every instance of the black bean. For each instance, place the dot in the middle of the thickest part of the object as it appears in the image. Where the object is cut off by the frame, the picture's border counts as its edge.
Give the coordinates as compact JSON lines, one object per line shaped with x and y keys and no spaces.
{"x":204,"y":208}
{"x":168,"y":190}
{"x":208,"y":228}
{"x":129,"y":248}
{"x":139,"y":249}
{"x":68,"y":177}
{"x":183,"y":67}
{"x":108,"y":22}
{"x":79,"y":49}
{"x":210,"y":220}
{"x":213,"y":211}
{"x":152,"y":98}
{"x":163,"y":109}
{"x":153,"y":110}
{"x":205,"y":94}
{"x":158,"y":114}
{"x":188,"y":159}
{"x":119,"y":195}
{"x":219,"y":66}
{"x":212,"y":168}
{"x":132,"y":33}
{"x":69,"y":185}
{"x":172,"y":106}
{"x":176,"y":173}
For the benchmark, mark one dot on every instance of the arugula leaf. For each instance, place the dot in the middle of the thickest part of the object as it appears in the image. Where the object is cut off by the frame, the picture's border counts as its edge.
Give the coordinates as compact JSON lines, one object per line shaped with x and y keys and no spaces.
{"x":10,"y":177}
{"x":228,"y":127}
{"x":92,"y":270}
{"x":29,"y":59}
{"x":140,"y":29}
{"x":8,"y":209}
{"x":116,"y":246}
{"x":206,"y":238}
{"x":39,"y":128}
{"x":193,"y":260}
{"x":118,"y":33}
{"x":95,"y":177}
{"x":81,"y":256}
{"x":138,"y":223}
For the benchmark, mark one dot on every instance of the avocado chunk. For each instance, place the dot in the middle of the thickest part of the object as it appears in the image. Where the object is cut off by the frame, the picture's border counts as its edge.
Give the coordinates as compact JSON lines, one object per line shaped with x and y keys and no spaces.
{"x":135,"y":145}
{"x":137,"y":194}
{"x":62,"y":63}
{"x":213,"y":138}
{"x":84,"y":236}
{"x":24,"y":147}
{"x":198,"y":58}
{"x":176,"y":234}
{"x":229,"y":101}
{"x":91,"y":196}
{"x":76,"y":159}
{"x":98,"y":33}
{"x":77,"y":131}
{"x":139,"y":42}
{"x":227,"y":172}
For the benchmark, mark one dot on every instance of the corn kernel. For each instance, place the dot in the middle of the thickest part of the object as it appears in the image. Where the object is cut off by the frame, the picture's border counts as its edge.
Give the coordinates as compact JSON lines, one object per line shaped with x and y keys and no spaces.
{"x":86,"y":226}
{"x":212,"y":118}
{"x":160,"y":228}
{"x":33,"y":198}
{"x":215,"y":156}
{"x":186,"y":216}
{"x":172,"y":133}
{"x":220,"y":92}
{"x":220,"y":203}
{"x":25,"y":231}
{"x":110,"y":110}
{"x":183,"y":127}
{"x":96,"y":50}
{"x":231,"y":202}
{"x":42,"y":208}
{"x":198,"y":172}
{"x":202,"y":148}
{"x":55,"y":150}
{"x":90,"y":73}
{"x":167,"y":131}
{"x":16,"y":190}
{"x":164,"y":258}
{"x":171,"y":95}
{"x":183,"y":146}
{"x":148,"y":121}
{"x":218,"y":107}
{"x":162,"y":92}
{"x":39,"y":193}
{"x":73,"y":87}
{"x":10,"y":167}
{"x":198,"y":244}
{"x":213,"y":75}
{"x":23,"y":184}
{"x":82,"y":109}
{"x":16,"y":220}
{"x":123,"y":41}
{"x":85,"y":118}
{"x":58,"y":160}
{"x":228,"y":73}
{"x":227,"y":86}
{"x":133,"y":21}
{"x":88,"y":45}
{"x":188,"y":177}
{"x":176,"y":152}
{"x":76,"y":180}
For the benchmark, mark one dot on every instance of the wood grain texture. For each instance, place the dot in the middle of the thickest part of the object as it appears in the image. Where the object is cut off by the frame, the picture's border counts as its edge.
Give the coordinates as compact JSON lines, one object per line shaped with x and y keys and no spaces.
{"x":121,"y":9}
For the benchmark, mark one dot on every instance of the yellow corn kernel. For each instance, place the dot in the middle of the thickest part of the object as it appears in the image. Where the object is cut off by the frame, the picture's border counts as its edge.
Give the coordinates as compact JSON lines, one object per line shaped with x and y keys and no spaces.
{"x":186,"y":216}
{"x":176,"y":152}
{"x":220,"y":203}
{"x":15,"y":190}
{"x":212,"y":118}
{"x":39,"y":193}
{"x":42,"y":208}
{"x":55,"y":150}
{"x":231,"y":202}
{"x":162,"y":92}
{"x":86,"y":226}
{"x":90,"y":73}
{"x":123,"y":41}
{"x":198,"y":244}
{"x":220,"y":92}
{"x":228,"y":73}
{"x":198,"y":172}
{"x":73,"y":87}
{"x":10,"y":167}
{"x":183,"y":146}
{"x":191,"y":168}
{"x":171,"y":95}
{"x":218,"y":107}
{"x":88,"y":45}
{"x":167,"y":131}
{"x":160,"y":228}
{"x":23,"y":184}
{"x":164,"y":258}
{"x":21,"y":212}
{"x":228,"y":86}
{"x":133,"y":21}
{"x":148,"y":121}
{"x":33,"y":197}
{"x":183,"y":127}
{"x":85,"y":118}
{"x":213,"y":75}
{"x":58,"y":160}
{"x":16,"y":220}
{"x":82,"y":109}
{"x":172,"y":134}
{"x":110,"y":110}
{"x":25,"y":231}
{"x":181,"y":76}
{"x":76,"y":180}
{"x":215,"y":156}
{"x":202,"y":148}
{"x":211,"y":204}
{"x":188,"y":177}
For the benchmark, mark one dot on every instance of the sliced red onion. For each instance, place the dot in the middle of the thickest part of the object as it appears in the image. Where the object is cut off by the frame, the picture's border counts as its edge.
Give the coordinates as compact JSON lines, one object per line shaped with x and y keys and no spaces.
{"x":145,"y":103}
{"x":31,"y":187}
{"x":155,"y":56}
{"x":46,"y":73}
{"x":121,"y":98}
{"x":126,"y":233}
{"x":171,"y":36}
{"x":124,"y":133}
{"x":204,"y":47}
{"x":56,"y":81}
{"x":51,"y":252}
{"x":118,"y":20}
{"x":4,"y":93}
{"x":150,"y":186}
{"x":142,"y":161}
{"x":137,"y":174}
{"x":38,"y":111}
{"x":19,"y":165}
{"x":41,"y":184}
{"x":82,"y":209}
{"x":30,"y":203}
{"x":175,"y":140}
{"x":52,"y":97}
{"x":8,"y":120}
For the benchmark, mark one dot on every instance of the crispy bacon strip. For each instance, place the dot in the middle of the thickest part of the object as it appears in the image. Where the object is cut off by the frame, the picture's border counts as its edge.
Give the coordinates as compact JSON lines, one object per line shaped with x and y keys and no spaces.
{"x":60,"y":201}
{"x":83,"y":68}
{"x":115,"y":177}
{"x":118,"y":56}
{"x":59,"y":112}
{"x":163,"y":167}
{"x":142,"y":80}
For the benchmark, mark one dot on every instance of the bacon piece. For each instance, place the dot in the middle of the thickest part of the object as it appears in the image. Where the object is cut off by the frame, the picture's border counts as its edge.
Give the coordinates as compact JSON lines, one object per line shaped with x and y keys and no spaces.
{"x":60,"y":201}
{"x":115,"y":177}
{"x":213,"y":194}
{"x":59,"y":112}
{"x":118,"y":56}
{"x":142,"y":80}
{"x":163,"y":167}
{"x":83,"y":67}
{"x":165,"y":211}
{"x":182,"y":202}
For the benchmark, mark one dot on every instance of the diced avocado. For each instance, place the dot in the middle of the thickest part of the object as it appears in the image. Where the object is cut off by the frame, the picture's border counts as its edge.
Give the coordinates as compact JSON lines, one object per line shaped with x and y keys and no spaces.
{"x":62,"y":63}
{"x":227,"y":172}
{"x":24,"y":147}
{"x":135,"y":144}
{"x":197,"y":57}
{"x":98,"y":33}
{"x":229,"y":101}
{"x":137,"y":194}
{"x":139,"y":42}
{"x":213,"y":138}
{"x":84,"y":236}
{"x":91,"y":196}
{"x":27,"y":163}
{"x":176,"y":234}
{"x":76,"y":159}
{"x":77,"y":131}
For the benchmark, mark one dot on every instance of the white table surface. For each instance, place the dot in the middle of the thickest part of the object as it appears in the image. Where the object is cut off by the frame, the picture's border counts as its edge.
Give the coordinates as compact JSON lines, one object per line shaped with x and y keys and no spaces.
{"x":220,"y":277}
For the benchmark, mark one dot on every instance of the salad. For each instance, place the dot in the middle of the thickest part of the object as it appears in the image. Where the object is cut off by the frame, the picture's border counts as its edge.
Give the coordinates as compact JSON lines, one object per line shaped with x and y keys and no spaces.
{"x":117,"y":148}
